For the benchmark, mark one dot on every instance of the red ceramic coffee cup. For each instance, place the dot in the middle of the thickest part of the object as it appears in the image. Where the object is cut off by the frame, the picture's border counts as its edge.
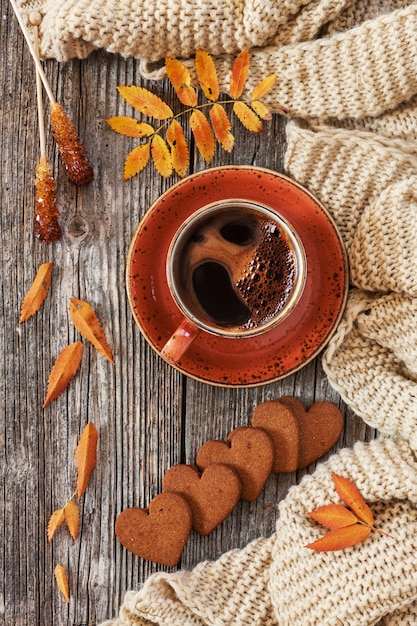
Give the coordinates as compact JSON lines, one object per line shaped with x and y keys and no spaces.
{"x":235,"y":269}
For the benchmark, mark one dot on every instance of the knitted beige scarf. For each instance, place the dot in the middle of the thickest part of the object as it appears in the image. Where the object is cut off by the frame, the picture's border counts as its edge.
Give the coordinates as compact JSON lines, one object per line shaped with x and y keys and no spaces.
{"x":348,"y":76}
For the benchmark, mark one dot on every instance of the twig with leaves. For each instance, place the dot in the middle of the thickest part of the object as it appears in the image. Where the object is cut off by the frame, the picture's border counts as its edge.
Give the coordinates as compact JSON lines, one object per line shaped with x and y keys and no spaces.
{"x":86,"y":457}
{"x":172,"y":153}
{"x":348,"y":526}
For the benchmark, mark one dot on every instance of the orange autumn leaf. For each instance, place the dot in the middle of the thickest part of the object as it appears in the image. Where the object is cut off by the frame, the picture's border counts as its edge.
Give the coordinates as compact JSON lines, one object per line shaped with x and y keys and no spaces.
{"x":179,"y":149}
{"x":86,"y":457}
{"x":37,"y":293}
{"x":180,"y":79}
{"x":239,"y":74}
{"x":207,"y":75}
{"x":72,"y":518}
{"x":87,"y":323}
{"x":62,"y":581}
{"x":63,"y":370}
{"x":161,"y":156}
{"x":130,"y":127}
{"x":340,"y":538}
{"x":261,"y":110}
{"x":248,"y":118}
{"x":351,"y":496}
{"x":187,"y":95}
{"x":55,"y":522}
{"x":146,"y":102}
{"x":222,"y":127}
{"x":136,"y":160}
{"x":263,"y":87}
{"x":203,"y":135}
{"x":333,"y":516}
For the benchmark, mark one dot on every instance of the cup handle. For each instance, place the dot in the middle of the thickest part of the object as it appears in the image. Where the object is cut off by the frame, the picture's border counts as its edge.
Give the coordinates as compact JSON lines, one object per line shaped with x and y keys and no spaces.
{"x":180,"y":341}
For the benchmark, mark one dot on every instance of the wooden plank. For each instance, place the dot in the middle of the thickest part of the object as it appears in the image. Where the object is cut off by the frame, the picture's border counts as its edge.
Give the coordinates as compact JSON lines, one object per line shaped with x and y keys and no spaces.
{"x":149,"y":416}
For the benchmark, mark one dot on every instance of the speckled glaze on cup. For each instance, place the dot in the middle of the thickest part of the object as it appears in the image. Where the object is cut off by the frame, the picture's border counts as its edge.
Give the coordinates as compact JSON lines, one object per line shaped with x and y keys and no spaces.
{"x":255,"y":360}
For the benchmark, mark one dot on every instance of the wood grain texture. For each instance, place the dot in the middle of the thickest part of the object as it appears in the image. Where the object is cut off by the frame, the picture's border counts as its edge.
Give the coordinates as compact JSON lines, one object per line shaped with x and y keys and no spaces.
{"x":149,"y":416}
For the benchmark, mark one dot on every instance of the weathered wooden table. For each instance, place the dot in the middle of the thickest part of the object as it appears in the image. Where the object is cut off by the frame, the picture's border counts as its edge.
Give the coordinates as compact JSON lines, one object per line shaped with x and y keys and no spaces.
{"x":149,"y":416}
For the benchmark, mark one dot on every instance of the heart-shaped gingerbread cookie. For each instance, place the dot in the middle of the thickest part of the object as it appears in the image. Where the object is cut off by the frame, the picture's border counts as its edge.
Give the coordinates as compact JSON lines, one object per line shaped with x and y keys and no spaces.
{"x":158,"y":533}
{"x":320,"y":428}
{"x":249,"y":451}
{"x":282,"y":426}
{"x":212,"y":495}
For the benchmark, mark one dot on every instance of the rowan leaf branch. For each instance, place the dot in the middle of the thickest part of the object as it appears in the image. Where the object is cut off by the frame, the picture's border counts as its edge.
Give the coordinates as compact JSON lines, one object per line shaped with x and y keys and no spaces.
{"x":209,"y":121}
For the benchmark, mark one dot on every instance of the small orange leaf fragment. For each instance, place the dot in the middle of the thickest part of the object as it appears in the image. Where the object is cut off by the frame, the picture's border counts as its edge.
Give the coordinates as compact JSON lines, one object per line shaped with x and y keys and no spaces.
{"x":261,"y":110}
{"x":130,"y":127}
{"x":180,"y":79}
{"x":37,"y":293}
{"x":222,"y":127}
{"x":86,"y":322}
{"x":340,"y":538}
{"x":203,"y":135}
{"x":351,"y":496}
{"x":263,"y":87}
{"x":161,"y":156}
{"x":207,"y":75}
{"x":239,"y":74}
{"x":55,"y":521}
{"x":136,"y":160}
{"x":62,"y":581}
{"x":72,"y":518}
{"x":86,"y":457}
{"x":333,"y":516}
{"x":248,"y":118}
{"x":63,"y":370}
{"x":179,"y":149}
{"x":145,"y":101}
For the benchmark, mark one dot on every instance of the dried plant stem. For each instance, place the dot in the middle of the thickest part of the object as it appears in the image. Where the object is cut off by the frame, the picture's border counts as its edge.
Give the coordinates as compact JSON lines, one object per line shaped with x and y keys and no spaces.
{"x":205,"y":105}
{"x":378,"y":530}
{"x":33,"y":52}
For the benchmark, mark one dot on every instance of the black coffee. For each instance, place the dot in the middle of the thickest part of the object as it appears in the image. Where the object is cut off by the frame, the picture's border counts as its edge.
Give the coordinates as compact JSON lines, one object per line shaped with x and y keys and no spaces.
{"x":237,"y":269}
{"x":215,"y":293}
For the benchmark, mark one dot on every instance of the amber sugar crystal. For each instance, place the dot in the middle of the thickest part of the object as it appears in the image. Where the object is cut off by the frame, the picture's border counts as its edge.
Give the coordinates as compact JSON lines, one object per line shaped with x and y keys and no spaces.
{"x":47,"y":227}
{"x":72,"y":151}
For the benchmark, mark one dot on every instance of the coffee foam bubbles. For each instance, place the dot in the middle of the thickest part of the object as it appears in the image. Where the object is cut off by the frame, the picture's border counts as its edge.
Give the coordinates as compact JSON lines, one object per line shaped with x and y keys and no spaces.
{"x":268,"y":281}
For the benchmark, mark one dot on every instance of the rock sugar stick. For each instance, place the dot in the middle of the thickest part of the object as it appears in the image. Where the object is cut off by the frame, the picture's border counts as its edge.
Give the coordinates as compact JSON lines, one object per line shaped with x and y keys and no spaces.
{"x":47,"y":226}
{"x":72,"y":151}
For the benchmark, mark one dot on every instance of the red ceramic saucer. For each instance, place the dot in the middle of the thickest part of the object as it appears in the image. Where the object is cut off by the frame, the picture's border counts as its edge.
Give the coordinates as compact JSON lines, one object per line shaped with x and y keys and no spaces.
{"x":280,"y":351}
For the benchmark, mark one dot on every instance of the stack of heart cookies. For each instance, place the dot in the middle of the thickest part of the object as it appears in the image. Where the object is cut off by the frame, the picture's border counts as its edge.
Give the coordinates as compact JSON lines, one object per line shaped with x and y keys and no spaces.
{"x":283,"y":437}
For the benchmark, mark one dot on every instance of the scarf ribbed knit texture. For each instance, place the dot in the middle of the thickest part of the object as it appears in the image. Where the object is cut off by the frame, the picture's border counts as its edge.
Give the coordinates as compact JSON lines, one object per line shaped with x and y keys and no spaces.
{"x":347,"y":73}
